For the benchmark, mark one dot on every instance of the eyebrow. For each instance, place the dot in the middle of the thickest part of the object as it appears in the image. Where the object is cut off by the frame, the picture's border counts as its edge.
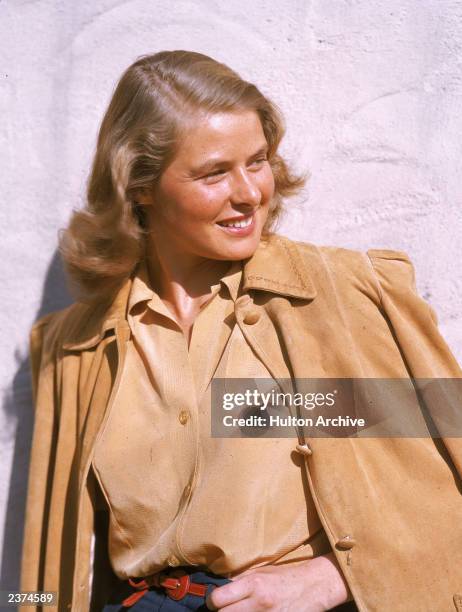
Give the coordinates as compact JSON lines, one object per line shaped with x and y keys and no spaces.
{"x":211,"y":164}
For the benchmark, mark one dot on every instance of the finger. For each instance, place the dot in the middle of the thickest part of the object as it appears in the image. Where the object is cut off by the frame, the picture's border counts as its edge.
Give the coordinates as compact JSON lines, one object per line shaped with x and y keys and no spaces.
{"x":228,"y":594}
{"x":208,"y":600}
{"x":245,"y":605}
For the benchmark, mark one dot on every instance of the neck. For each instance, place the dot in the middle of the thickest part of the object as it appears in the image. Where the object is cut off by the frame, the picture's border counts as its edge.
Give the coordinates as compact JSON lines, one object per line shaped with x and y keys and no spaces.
{"x":182,"y":279}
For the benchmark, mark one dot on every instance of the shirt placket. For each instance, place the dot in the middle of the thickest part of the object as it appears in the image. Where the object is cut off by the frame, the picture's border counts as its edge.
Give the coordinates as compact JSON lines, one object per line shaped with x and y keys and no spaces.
{"x":211,"y":332}
{"x":177,"y":387}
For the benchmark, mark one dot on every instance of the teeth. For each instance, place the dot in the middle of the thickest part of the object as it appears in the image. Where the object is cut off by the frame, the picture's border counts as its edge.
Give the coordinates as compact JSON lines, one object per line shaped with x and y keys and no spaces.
{"x":243,"y":223}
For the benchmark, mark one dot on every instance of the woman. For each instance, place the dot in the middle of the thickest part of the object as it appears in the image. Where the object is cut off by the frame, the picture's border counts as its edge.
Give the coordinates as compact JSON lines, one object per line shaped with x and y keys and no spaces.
{"x":180,"y":281}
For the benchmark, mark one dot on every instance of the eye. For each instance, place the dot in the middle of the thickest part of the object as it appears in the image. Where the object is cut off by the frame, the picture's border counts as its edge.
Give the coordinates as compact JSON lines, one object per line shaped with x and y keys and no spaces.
{"x":259,"y":161}
{"x":214,"y":176}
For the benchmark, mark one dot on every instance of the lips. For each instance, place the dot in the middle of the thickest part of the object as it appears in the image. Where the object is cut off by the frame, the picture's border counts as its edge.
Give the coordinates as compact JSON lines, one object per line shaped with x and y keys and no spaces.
{"x":237,"y":222}
{"x":239,"y":226}
{"x":236,"y":219}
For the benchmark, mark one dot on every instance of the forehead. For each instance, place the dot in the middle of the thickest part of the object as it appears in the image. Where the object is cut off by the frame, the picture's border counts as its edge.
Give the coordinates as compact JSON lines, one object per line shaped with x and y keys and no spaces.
{"x":227,"y":134}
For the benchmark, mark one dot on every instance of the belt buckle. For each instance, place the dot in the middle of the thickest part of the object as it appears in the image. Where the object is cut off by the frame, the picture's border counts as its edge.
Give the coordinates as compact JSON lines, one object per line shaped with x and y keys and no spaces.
{"x":177,"y":585}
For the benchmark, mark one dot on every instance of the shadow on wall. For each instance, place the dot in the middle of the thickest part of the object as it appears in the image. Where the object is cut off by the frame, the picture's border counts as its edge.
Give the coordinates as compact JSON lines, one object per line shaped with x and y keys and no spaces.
{"x":18,"y":410}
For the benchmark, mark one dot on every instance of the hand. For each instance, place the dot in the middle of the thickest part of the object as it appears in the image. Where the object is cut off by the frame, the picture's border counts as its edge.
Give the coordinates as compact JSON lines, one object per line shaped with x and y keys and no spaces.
{"x":306,"y":586}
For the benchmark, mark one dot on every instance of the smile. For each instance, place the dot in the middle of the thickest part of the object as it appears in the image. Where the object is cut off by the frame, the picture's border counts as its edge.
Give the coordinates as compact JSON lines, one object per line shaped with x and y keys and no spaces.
{"x":242,"y":223}
{"x":243,"y":227}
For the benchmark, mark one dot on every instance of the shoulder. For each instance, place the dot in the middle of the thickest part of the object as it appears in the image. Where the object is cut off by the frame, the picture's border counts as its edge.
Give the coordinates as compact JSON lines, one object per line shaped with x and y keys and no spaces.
{"x":370,"y":270}
{"x":348,"y":258}
{"x":53,"y":329}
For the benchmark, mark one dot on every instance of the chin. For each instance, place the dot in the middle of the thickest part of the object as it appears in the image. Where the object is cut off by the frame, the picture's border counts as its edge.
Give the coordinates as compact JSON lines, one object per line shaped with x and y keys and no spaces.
{"x":240,"y":251}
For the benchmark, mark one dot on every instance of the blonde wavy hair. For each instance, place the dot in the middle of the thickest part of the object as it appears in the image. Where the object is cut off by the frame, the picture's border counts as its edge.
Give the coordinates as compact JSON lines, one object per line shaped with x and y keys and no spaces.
{"x":139,"y":134}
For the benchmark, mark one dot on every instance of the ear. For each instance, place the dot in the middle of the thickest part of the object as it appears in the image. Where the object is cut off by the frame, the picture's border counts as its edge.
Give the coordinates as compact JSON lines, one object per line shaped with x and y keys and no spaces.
{"x":145,"y":197}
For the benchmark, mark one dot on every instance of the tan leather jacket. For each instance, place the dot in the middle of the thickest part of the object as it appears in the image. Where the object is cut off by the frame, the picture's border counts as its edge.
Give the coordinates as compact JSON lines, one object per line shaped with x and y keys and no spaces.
{"x":392,"y":510}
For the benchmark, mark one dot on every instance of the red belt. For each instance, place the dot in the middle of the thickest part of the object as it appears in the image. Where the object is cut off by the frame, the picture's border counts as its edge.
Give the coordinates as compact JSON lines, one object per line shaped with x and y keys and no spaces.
{"x":177,"y":585}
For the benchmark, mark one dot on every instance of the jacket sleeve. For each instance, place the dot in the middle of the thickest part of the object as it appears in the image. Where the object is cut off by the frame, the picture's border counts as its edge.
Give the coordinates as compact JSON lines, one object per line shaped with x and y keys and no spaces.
{"x":41,"y":458}
{"x":412,"y":319}
{"x":438,"y":376}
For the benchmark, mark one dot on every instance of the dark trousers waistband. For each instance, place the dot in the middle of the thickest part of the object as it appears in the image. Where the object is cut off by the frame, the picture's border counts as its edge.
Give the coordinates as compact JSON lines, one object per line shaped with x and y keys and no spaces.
{"x":157,"y":598}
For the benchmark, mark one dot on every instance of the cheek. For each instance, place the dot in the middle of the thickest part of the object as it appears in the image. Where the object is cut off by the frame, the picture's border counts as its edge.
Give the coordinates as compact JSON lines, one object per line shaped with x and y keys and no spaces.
{"x":266,"y":183}
{"x":191,"y":203}
{"x":205,"y":202}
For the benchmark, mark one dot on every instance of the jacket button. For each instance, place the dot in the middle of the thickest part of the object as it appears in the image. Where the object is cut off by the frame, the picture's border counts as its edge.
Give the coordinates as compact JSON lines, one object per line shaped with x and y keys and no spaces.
{"x":173,"y":561}
{"x":251,"y":317}
{"x":346,"y":543}
{"x":183,"y":417}
{"x":304,"y":449}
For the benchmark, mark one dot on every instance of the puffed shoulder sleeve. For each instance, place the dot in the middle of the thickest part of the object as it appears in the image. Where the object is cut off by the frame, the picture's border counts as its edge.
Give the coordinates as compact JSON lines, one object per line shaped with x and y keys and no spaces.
{"x":413,"y":321}
{"x":436,"y":373}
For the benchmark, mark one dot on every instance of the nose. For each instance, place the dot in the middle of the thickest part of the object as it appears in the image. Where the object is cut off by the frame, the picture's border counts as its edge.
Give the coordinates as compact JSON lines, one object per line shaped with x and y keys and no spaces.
{"x":245,"y":189}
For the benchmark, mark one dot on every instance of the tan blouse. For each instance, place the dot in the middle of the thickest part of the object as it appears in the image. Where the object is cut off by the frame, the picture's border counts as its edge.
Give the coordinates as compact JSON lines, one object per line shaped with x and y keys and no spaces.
{"x":198,"y":500}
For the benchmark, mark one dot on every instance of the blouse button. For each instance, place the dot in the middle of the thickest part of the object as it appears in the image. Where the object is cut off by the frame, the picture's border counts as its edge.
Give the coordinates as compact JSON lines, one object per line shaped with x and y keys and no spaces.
{"x":251,"y":317}
{"x":346,"y":543}
{"x":173,"y":561}
{"x":183,"y":417}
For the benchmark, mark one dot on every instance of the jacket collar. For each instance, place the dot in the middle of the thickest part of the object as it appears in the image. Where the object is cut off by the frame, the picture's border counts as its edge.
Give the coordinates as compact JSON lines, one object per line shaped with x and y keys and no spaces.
{"x":276,"y":266}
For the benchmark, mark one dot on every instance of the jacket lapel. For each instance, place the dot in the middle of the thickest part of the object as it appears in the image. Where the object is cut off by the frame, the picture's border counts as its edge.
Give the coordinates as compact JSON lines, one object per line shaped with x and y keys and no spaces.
{"x":294,"y":329}
{"x":277,"y":268}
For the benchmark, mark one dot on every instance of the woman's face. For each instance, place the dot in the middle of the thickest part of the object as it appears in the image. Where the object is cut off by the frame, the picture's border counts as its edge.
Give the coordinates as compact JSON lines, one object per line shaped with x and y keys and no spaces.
{"x":219,"y":175}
